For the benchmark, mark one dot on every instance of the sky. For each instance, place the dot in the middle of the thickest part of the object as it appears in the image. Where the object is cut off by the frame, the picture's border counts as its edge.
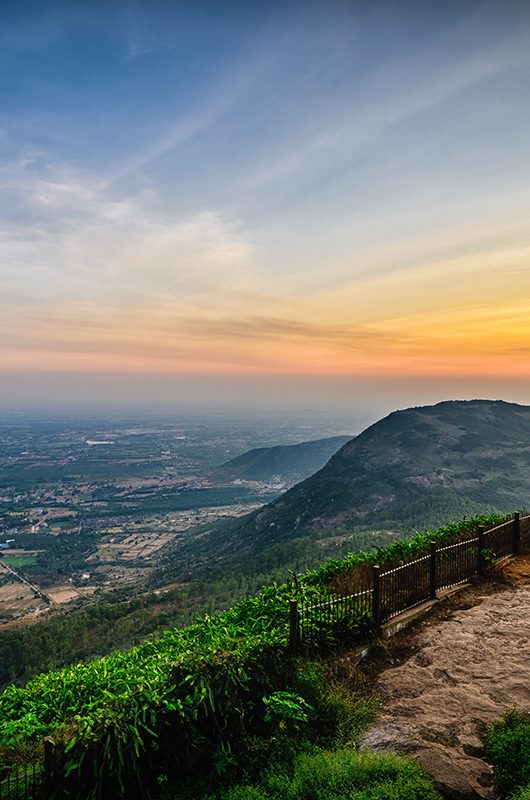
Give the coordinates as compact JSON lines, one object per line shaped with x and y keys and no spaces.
{"x":304,"y":204}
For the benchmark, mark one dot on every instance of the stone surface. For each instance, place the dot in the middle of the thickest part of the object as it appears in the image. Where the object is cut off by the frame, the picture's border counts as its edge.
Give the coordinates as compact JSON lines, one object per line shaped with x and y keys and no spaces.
{"x":465,"y":671}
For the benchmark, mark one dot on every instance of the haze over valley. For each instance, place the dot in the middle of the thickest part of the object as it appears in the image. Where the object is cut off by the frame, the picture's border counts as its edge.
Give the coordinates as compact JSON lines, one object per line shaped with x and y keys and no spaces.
{"x":89,"y":503}
{"x":110,"y":509}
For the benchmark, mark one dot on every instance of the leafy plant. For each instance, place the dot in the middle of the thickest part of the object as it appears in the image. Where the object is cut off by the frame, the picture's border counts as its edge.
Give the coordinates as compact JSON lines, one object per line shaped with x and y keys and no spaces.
{"x":507,"y":747}
{"x":522,"y":794}
{"x":183,"y":703}
{"x":286,"y":709}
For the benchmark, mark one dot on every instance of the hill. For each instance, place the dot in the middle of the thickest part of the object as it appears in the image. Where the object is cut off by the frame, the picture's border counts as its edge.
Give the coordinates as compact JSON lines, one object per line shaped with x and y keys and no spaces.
{"x":171,"y":710}
{"x":285,"y":464}
{"x":412,"y":469}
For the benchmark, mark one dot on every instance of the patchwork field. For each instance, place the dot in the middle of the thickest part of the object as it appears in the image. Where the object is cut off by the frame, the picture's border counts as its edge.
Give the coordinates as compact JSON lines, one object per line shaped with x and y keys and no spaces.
{"x":63,"y":594}
{"x":129,"y":548}
{"x":17,"y":599}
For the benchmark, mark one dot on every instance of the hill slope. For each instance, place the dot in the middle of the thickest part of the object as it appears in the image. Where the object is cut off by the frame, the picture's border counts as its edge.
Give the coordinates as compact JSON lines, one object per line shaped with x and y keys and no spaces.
{"x":412,"y":469}
{"x":410,"y":466}
{"x":283,"y":463}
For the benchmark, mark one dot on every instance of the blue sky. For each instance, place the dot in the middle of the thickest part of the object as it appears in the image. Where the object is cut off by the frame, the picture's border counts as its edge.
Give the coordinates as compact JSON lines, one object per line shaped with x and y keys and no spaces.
{"x":335,"y":192}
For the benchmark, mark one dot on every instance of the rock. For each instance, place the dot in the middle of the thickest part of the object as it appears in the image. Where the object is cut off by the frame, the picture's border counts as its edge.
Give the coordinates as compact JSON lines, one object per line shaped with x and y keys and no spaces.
{"x":464,"y":674}
{"x":457,"y":779}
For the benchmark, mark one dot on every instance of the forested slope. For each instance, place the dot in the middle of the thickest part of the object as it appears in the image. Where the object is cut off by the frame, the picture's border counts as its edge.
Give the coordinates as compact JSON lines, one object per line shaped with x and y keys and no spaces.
{"x":413,"y":469}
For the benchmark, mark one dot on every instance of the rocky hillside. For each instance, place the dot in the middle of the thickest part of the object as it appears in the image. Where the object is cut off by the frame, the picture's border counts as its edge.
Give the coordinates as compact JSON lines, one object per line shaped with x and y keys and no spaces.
{"x":413,"y":469}
{"x":285,"y":464}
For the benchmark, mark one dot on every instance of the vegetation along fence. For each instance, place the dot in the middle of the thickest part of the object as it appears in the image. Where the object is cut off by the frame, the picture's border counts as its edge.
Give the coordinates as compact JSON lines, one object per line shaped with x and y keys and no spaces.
{"x":376,"y":595}
{"x":22,"y":784}
{"x":387,"y":593}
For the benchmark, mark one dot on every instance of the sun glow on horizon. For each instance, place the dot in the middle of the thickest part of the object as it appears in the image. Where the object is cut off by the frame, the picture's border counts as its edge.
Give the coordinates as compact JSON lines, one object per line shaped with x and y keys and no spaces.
{"x":337,"y":193}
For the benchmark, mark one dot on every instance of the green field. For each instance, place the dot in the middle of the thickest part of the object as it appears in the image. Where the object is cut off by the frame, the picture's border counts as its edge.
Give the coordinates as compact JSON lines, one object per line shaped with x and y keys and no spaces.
{"x":19,"y":561}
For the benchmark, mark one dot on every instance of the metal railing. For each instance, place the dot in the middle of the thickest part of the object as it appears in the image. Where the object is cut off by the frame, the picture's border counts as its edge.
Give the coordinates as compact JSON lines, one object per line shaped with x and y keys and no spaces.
{"x":22,"y":784}
{"x":339,"y":617}
{"x":405,"y":586}
{"x":457,"y":563}
{"x":357,"y":616}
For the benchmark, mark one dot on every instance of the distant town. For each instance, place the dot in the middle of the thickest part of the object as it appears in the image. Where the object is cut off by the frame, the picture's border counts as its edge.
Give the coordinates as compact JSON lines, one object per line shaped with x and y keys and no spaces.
{"x":88,"y":505}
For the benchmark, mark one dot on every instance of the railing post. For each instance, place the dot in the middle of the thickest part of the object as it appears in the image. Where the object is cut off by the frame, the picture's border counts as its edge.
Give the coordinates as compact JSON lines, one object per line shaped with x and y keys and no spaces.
{"x":376,"y":596}
{"x":48,"y":757}
{"x":516,"y":541}
{"x":433,"y":578}
{"x":294,"y":626}
{"x":481,"y":567}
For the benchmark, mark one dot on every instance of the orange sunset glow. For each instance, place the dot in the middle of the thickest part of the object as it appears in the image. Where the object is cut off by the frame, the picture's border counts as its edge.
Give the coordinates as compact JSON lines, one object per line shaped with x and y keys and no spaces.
{"x":308,"y":208}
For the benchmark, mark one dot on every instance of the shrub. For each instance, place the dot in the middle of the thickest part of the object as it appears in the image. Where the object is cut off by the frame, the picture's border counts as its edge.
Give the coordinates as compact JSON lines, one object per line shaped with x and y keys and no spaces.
{"x":286,"y":710}
{"x":346,"y":774}
{"x":522,"y":794}
{"x":245,"y":793}
{"x":342,"y":707}
{"x":507,"y":747}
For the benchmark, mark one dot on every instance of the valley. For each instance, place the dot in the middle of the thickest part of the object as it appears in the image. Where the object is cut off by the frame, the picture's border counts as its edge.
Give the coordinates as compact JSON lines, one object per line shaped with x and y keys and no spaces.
{"x":195,"y":514}
{"x":89,"y":505}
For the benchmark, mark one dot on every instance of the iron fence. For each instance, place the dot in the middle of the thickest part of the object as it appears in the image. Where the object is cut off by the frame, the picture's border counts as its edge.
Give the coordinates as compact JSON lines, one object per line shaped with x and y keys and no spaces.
{"x":500,"y":540}
{"x":342,"y":616}
{"x":395,"y":590}
{"x":22,"y":784}
{"x":404,"y":587}
{"x":524,"y":533}
{"x":457,"y":563}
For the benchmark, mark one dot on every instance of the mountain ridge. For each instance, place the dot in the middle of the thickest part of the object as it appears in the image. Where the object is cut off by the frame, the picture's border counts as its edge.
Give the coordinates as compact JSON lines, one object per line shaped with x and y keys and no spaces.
{"x":289,"y":463}
{"x":411,"y":469}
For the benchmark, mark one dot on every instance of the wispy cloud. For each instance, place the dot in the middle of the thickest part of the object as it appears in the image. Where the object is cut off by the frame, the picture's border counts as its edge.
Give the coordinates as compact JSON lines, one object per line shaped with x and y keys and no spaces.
{"x":86,"y":240}
{"x":289,"y":202}
{"x":342,"y":131}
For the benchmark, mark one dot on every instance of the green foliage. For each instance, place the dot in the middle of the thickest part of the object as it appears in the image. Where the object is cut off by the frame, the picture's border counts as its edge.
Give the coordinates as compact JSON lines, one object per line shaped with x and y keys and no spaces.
{"x":345,"y":774}
{"x":342,"y":707}
{"x":522,"y":794}
{"x":488,"y":556}
{"x":341,"y":775}
{"x":185,"y":702}
{"x":286,"y":709}
{"x":245,"y":793}
{"x":507,"y":747}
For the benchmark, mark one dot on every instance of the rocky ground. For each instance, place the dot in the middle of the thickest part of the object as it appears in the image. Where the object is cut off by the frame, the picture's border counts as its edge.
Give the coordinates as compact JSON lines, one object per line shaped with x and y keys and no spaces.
{"x":455,"y":671}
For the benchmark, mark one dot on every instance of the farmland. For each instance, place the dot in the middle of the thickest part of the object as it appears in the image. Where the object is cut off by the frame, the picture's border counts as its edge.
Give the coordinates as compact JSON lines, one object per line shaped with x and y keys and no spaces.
{"x":89,"y":505}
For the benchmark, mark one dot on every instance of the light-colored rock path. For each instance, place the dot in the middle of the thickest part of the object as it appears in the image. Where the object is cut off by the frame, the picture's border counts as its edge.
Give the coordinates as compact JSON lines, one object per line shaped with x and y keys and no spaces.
{"x":465,"y":671}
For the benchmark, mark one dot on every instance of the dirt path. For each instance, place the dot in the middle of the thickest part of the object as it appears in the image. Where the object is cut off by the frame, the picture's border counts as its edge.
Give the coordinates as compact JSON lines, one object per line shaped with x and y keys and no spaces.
{"x":454,"y":672}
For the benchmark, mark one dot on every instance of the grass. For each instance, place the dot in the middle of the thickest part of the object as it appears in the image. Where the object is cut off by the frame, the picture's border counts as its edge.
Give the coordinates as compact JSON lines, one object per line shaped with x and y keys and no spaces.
{"x":522,"y":794}
{"x":341,"y":774}
{"x":16,"y":562}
